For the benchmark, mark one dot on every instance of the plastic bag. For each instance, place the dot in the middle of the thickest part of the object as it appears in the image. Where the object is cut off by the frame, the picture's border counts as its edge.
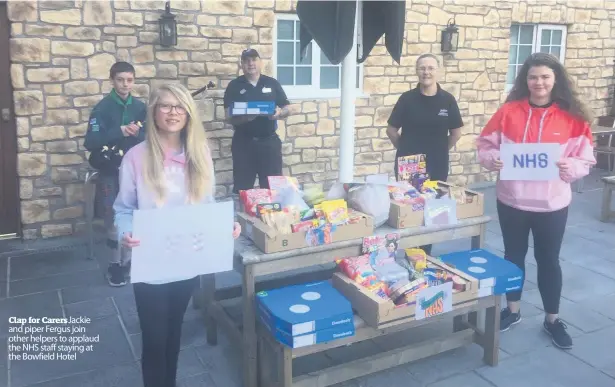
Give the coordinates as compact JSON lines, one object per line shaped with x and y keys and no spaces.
{"x":291,"y":197}
{"x":336,"y":191}
{"x":372,"y":200}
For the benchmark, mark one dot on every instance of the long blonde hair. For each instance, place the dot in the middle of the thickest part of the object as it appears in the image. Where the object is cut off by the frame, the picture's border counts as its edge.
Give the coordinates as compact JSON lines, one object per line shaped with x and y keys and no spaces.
{"x":199,"y":165}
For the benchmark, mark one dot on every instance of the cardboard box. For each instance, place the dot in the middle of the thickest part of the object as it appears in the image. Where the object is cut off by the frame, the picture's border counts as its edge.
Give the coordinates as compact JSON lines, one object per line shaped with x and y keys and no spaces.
{"x":266,"y":108}
{"x":377,"y":311}
{"x":270,"y":241}
{"x":304,"y":308}
{"x":402,"y":215}
{"x":489,"y":269}
{"x":321,"y":336}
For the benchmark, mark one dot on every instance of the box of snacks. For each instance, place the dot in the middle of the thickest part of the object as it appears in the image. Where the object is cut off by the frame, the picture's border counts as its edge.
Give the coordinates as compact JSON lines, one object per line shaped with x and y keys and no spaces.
{"x":386,"y":282}
{"x":414,"y":188}
{"x":282,"y":218}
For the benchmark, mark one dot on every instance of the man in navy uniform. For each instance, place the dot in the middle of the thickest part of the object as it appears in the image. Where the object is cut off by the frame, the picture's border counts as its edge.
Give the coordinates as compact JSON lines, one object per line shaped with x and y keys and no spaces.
{"x":256,"y":147}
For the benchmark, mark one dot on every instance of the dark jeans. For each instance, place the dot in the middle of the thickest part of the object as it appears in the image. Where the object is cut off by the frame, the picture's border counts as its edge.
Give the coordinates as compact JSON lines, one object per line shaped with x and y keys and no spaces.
{"x":161,"y":310}
{"x":253,"y":157}
{"x":548,"y":231}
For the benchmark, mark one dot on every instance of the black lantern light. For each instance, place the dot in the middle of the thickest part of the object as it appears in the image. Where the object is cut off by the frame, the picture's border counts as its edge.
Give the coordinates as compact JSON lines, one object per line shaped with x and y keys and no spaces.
{"x":450,"y":37}
{"x":168,"y":27}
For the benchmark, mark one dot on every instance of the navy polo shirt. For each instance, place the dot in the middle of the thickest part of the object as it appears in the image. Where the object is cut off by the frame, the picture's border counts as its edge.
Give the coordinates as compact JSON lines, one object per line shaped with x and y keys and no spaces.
{"x":267,"y":89}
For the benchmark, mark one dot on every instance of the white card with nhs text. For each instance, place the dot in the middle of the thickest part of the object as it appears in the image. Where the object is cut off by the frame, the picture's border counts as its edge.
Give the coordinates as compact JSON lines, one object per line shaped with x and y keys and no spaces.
{"x":530,"y":162}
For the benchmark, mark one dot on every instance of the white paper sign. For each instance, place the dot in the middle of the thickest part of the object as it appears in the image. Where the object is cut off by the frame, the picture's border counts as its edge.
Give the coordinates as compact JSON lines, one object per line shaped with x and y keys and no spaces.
{"x":182,"y":241}
{"x":434,"y":300}
{"x":442,"y":211}
{"x":535,"y":161}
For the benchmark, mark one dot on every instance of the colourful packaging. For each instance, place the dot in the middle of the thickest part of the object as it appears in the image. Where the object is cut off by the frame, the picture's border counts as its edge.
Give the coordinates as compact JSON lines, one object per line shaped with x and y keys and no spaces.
{"x":252,"y":197}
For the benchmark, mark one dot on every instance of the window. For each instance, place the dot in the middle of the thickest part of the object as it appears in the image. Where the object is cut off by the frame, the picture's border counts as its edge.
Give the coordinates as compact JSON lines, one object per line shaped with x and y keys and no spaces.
{"x":526,"y":39}
{"x":314,"y":76}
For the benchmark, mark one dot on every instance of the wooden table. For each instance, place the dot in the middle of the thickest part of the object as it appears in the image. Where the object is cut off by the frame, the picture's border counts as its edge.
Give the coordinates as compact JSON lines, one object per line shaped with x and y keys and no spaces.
{"x":250,"y":262}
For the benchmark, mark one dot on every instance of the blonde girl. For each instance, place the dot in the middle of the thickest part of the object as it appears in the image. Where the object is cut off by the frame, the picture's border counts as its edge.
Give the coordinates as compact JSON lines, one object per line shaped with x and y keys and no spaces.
{"x":173,"y":167}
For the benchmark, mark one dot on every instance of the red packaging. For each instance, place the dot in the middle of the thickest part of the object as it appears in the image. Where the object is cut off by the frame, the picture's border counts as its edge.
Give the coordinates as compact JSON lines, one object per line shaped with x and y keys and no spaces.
{"x":252,"y":197}
{"x":302,"y":226}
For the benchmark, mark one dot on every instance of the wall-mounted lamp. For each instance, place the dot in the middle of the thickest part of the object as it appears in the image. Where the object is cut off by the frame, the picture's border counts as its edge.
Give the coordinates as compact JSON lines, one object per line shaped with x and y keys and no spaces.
{"x":168,"y":27}
{"x":450,"y":37}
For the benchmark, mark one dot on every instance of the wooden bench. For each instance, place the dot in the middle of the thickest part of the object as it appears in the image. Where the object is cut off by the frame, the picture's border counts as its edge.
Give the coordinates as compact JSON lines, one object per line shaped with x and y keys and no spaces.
{"x":607,"y":193}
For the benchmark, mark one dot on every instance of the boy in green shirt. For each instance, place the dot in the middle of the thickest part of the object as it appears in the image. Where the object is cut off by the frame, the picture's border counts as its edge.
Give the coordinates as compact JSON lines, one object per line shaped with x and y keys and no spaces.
{"x":117,"y":123}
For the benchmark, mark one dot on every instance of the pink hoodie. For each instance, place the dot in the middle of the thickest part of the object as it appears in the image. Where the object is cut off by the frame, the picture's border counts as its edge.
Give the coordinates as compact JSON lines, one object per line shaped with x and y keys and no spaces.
{"x":518,"y":122}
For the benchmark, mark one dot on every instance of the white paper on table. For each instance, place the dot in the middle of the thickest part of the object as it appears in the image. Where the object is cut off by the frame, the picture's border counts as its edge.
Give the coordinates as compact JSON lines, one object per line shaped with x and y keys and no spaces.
{"x":184,"y":241}
{"x":535,"y":161}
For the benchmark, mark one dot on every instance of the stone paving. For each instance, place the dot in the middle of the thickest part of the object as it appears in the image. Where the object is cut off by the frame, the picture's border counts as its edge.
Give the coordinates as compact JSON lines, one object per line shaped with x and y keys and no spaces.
{"x":56,"y":282}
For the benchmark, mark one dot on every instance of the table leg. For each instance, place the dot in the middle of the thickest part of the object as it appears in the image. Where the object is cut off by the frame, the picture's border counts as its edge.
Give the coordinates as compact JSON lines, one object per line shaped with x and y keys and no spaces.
{"x":208,"y":286}
{"x":491,"y":342}
{"x":285,"y":366}
{"x":607,"y":192}
{"x":250,"y":355}
{"x":478,"y":241}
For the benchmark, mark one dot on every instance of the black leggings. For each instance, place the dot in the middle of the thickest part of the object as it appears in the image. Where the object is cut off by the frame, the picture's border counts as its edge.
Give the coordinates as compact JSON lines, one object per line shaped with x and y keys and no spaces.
{"x":161,"y":310}
{"x":548,"y":232}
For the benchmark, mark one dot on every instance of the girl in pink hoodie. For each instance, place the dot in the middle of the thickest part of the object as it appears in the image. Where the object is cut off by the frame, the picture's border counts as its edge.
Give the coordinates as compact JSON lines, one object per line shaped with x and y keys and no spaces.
{"x":543,"y":106}
{"x":173,"y":167}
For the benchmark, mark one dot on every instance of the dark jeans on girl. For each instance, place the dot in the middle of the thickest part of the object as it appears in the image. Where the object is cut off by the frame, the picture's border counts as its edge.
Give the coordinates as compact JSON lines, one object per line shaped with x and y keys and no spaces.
{"x":161,"y":310}
{"x":548,"y":231}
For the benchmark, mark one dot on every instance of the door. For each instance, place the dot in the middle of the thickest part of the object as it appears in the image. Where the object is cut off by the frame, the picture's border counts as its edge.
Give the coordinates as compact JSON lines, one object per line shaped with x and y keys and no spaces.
{"x":9,"y":189}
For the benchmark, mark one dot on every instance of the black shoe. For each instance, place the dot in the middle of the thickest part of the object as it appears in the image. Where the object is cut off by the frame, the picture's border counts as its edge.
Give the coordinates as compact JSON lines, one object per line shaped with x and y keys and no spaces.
{"x":126,"y":271}
{"x":115,"y":275}
{"x":559,"y":336}
{"x":508,"y":319}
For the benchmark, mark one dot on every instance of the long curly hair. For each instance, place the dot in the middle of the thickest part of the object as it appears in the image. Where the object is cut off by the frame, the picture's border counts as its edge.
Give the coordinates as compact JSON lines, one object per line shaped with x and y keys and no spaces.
{"x":564,"y":92}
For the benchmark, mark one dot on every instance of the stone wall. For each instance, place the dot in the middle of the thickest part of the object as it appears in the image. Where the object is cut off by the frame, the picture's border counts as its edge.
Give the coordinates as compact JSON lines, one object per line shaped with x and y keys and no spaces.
{"x":62,"y":50}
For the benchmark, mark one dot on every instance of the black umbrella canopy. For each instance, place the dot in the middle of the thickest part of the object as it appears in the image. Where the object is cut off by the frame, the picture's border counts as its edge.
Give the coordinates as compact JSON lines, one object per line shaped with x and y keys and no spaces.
{"x":331,"y":25}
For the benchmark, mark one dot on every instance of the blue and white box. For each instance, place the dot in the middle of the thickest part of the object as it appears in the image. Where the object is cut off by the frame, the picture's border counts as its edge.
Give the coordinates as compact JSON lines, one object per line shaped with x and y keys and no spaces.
{"x":321,"y":336}
{"x":305,"y":308}
{"x":495,"y":274}
{"x":266,"y":108}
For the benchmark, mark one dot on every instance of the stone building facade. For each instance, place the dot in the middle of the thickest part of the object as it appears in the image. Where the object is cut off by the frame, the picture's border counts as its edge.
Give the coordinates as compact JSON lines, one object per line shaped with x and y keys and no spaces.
{"x":61,"y":52}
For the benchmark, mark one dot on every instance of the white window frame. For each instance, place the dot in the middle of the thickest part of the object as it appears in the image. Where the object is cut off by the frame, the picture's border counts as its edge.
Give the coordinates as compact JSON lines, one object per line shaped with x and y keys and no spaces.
{"x":312,"y":91}
{"x":537,"y":42}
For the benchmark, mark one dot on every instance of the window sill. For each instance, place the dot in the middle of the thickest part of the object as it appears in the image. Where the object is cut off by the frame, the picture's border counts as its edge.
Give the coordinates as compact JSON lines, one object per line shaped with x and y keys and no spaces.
{"x":321,"y":96}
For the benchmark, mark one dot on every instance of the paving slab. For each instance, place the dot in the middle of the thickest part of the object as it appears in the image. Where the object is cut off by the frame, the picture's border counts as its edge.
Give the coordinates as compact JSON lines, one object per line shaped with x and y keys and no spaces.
{"x":544,"y":367}
{"x":583,"y":317}
{"x":445,"y":365}
{"x":93,"y":309}
{"x":202,"y":380}
{"x":222,"y":362}
{"x":37,"y":305}
{"x":189,"y":364}
{"x":128,"y":375}
{"x":48,"y":263}
{"x":466,"y":379}
{"x":529,"y":336}
{"x":54,"y":282}
{"x":112,"y":349}
{"x":594,"y":350}
{"x":95,"y":292}
{"x":603,"y":305}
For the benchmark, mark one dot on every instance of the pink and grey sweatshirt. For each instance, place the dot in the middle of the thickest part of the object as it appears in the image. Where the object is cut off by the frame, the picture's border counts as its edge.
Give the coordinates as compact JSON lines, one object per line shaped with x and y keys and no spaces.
{"x":518,"y":122}
{"x":134,"y":194}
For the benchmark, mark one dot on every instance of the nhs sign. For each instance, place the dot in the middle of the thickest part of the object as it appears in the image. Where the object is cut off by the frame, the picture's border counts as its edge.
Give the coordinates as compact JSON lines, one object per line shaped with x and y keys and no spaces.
{"x":535,"y":161}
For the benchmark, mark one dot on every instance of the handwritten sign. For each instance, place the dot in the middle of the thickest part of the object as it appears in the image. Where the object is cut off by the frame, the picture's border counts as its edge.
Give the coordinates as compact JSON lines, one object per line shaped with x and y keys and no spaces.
{"x":182,"y":241}
{"x":434,"y":300}
{"x":535,"y":161}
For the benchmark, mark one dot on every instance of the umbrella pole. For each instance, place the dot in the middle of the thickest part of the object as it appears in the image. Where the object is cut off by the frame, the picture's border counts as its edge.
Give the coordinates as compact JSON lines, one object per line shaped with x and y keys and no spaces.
{"x":347,"y":109}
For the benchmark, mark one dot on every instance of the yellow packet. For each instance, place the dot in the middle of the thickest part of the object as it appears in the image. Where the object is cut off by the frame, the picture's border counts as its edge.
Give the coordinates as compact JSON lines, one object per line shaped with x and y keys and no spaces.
{"x":336,"y":211}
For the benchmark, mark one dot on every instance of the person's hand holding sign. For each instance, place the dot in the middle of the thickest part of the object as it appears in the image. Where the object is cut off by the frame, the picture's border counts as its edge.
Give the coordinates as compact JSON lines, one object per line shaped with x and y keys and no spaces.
{"x":564,"y":169}
{"x":236,"y":230}
{"x":498,"y":164}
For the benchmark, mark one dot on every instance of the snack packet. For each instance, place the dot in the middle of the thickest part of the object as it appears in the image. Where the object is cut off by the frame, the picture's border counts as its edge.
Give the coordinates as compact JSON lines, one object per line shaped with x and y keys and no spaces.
{"x":252,"y":197}
{"x":335,"y":211}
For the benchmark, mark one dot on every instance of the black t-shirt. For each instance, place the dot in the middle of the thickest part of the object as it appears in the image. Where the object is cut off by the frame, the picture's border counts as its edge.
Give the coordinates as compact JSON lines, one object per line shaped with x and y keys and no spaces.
{"x":425,"y":123}
{"x":267,"y":89}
